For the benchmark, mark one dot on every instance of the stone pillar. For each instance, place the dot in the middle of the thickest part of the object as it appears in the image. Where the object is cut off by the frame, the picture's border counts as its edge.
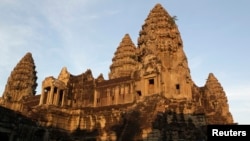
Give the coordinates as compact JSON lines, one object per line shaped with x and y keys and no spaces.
{"x":116,"y":94}
{"x":95,"y":98}
{"x":122,"y":89}
{"x":126,"y":89}
{"x":50,"y":96}
{"x":103,"y":136}
{"x":123,"y":93}
{"x":42,"y":97}
{"x":112,"y":95}
{"x":132,"y":92}
{"x":113,"y":136}
{"x":145,"y":87}
{"x":56,"y":97}
{"x":108,"y":96}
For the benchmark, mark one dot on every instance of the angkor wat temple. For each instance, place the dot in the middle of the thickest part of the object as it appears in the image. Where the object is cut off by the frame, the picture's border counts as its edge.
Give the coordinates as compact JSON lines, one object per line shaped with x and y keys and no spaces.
{"x":149,"y":96}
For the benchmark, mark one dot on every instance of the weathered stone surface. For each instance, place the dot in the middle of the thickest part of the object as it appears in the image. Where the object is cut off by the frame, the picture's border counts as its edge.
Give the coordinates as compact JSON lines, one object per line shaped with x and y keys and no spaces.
{"x":21,"y":83}
{"x":14,"y":126}
{"x":123,"y":62}
{"x":149,"y":95}
{"x":64,"y":75}
{"x":215,"y":102}
{"x":160,"y":51}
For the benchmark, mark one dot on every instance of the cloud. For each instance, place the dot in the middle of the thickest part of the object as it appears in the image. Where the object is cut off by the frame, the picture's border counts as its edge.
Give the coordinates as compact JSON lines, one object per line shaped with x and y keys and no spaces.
{"x":15,"y":37}
{"x":24,"y":28}
{"x":57,"y":33}
{"x":76,"y":25}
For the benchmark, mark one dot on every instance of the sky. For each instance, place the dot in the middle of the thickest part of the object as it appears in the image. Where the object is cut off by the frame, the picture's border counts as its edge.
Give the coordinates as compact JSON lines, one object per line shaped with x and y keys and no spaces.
{"x":84,"y":34}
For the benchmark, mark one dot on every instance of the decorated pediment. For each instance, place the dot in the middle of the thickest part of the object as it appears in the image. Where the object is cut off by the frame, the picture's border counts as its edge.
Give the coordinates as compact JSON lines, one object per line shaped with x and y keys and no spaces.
{"x":151,"y":64}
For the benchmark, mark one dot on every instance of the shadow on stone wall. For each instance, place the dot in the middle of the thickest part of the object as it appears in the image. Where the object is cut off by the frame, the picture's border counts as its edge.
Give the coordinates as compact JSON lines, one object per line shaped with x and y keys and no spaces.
{"x":14,"y":127}
{"x":142,"y":123}
{"x":129,"y":130}
{"x":167,"y":126}
{"x":84,"y":135}
{"x":170,"y":126}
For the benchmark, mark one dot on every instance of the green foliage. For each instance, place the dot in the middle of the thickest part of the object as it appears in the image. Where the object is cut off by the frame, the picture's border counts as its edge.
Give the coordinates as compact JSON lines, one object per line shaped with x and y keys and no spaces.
{"x":173,"y":19}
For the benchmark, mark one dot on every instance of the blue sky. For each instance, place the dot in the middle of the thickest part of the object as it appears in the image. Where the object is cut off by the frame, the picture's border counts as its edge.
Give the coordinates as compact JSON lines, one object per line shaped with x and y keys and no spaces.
{"x":84,"y":34}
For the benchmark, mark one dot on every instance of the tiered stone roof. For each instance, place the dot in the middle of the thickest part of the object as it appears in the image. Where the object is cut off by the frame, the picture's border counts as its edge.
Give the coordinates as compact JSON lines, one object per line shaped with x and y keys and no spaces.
{"x":213,"y":83}
{"x":160,"y":35}
{"x":22,"y":80}
{"x":149,"y":95}
{"x":123,"y":62}
{"x":216,"y":102}
{"x":159,"y":32}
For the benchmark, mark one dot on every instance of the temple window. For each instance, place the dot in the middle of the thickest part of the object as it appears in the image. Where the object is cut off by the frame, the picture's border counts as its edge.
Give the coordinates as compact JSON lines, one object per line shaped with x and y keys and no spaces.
{"x":177,"y":87}
{"x":138,"y":93}
{"x":151,"y":81}
{"x":98,"y":100}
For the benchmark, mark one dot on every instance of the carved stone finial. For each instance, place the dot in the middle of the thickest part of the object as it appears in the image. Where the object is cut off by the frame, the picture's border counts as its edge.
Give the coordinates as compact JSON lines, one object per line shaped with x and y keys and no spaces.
{"x":64,"y":75}
{"x":100,"y":78}
{"x":213,"y":83}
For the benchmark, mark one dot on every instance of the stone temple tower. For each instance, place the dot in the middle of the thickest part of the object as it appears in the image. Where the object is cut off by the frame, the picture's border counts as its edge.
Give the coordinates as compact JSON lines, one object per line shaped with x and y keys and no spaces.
{"x":22,"y":80}
{"x":163,"y":63}
{"x":149,"y":94}
{"x":123,"y":63}
{"x":215,"y":102}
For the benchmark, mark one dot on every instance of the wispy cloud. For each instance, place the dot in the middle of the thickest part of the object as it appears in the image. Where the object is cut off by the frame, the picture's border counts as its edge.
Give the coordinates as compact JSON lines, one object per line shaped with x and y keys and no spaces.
{"x":82,"y":34}
{"x":58,"y":33}
{"x":76,"y":23}
{"x":18,"y":31}
{"x":27,"y":27}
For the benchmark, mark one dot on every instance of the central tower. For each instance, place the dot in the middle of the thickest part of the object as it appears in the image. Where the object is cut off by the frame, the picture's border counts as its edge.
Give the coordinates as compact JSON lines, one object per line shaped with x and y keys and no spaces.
{"x":162,"y":61}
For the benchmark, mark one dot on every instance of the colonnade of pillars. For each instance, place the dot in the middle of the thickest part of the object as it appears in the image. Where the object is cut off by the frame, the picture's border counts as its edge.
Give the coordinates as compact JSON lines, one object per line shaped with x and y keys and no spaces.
{"x":52,"y":96}
{"x":113,"y":95}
